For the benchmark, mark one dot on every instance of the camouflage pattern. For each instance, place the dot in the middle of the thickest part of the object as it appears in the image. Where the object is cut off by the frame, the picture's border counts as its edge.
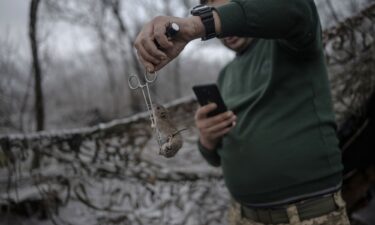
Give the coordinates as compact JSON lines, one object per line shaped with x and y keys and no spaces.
{"x":338,"y":217}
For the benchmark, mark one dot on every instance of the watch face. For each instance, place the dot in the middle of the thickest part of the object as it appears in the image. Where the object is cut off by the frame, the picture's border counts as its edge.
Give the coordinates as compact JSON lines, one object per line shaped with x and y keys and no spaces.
{"x":200,"y":7}
{"x":197,"y":9}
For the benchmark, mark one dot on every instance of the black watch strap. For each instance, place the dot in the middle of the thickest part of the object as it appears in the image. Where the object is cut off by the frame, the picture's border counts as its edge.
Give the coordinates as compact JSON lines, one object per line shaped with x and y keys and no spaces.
{"x":206,"y":15}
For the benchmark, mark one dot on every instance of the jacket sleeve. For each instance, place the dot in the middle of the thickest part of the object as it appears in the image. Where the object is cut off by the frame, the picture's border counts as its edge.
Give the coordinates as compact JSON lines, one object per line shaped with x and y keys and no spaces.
{"x":293,"y":21}
{"x":211,"y":156}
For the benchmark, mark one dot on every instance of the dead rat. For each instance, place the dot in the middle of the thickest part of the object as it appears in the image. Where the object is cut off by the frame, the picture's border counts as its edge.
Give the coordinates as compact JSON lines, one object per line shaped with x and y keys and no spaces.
{"x":171,"y":139}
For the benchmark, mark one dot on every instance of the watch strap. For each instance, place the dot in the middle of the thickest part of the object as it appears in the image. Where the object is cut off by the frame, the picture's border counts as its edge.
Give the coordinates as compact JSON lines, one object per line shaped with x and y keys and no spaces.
{"x":206,"y":15}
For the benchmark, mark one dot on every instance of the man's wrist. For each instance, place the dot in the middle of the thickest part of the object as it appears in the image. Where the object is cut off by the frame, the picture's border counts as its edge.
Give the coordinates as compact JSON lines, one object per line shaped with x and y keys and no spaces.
{"x":208,"y":145}
{"x":197,"y":29}
{"x":217,"y":22}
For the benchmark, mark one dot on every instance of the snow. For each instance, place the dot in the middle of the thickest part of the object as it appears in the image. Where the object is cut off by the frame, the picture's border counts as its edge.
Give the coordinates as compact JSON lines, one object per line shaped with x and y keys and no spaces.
{"x":115,"y":176}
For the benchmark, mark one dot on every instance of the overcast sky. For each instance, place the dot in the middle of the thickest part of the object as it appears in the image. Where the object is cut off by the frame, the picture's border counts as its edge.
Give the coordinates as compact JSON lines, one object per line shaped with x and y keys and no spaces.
{"x":13,"y":19}
{"x":14,"y":24}
{"x":13,"y":13}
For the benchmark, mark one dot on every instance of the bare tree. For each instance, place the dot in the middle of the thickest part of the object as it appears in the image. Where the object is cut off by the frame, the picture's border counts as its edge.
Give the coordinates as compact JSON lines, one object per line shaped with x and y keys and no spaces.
{"x":128,"y":56}
{"x":111,"y":27}
{"x":37,"y":71}
{"x":333,"y":11}
{"x":169,"y":8}
{"x":108,"y":63}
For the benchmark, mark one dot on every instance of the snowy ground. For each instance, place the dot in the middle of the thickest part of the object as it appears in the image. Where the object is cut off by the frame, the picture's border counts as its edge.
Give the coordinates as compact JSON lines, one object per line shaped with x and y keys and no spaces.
{"x":116,"y":176}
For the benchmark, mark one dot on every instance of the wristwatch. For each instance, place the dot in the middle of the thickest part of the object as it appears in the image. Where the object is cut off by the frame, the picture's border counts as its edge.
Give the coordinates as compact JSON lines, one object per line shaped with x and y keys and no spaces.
{"x":205,"y":13}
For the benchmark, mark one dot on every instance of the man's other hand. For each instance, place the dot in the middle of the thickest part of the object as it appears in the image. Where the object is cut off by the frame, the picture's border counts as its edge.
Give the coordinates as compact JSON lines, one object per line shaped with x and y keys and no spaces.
{"x":212,"y":129}
{"x":154,"y":57}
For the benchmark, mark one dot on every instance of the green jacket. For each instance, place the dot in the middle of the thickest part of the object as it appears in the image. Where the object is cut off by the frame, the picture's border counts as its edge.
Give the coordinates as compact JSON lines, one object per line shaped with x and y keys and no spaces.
{"x":284,"y":146}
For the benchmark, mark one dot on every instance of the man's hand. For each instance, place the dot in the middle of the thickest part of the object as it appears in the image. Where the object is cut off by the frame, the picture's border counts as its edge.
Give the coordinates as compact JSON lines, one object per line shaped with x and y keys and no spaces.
{"x":212,"y":129}
{"x":154,"y":58}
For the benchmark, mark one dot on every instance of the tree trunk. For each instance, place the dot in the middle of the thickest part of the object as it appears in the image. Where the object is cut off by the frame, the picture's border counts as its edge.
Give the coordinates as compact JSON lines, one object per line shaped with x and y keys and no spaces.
{"x":37,"y":72}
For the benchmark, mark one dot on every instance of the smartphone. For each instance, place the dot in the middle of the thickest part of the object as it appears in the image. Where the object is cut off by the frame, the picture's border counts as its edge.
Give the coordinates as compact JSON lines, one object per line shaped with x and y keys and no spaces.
{"x":209,"y":93}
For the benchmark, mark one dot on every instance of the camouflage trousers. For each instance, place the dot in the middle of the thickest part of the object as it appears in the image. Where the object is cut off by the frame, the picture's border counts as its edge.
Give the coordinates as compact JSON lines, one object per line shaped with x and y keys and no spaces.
{"x":338,"y":217}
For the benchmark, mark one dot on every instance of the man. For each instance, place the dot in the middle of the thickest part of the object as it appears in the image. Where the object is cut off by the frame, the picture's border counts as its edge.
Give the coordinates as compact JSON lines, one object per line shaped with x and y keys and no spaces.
{"x":280,"y":156}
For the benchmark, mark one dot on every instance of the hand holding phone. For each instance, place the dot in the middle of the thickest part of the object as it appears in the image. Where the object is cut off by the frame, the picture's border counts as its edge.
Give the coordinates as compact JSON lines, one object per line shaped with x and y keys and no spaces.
{"x":213,"y":122}
{"x":209,"y":93}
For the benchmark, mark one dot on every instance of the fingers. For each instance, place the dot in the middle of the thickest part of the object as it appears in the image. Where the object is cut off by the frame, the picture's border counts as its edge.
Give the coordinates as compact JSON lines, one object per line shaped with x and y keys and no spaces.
{"x":217,"y":130}
{"x":171,"y":53}
{"x":220,"y":126}
{"x":149,"y":66}
{"x":160,"y":37}
{"x":214,"y":134}
{"x":155,"y":49}
{"x":152,"y":50}
{"x":211,"y":129}
{"x":212,"y":121}
{"x":204,"y":110}
{"x":148,"y":52}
